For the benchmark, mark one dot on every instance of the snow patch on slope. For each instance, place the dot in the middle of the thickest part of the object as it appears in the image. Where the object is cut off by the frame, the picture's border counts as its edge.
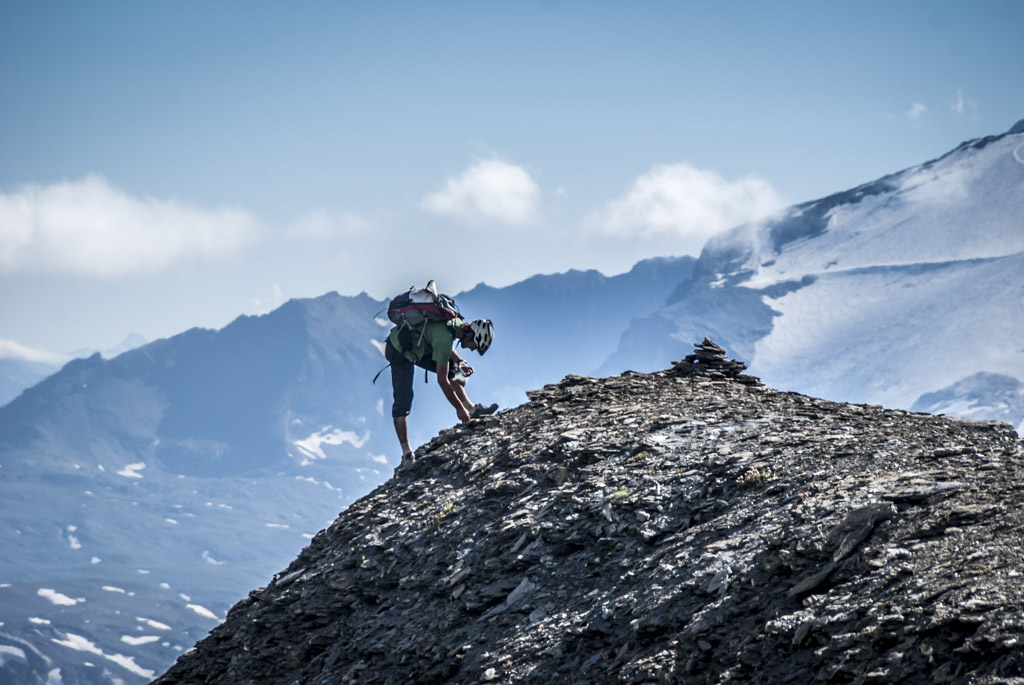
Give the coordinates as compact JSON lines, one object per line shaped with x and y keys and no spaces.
{"x":988,"y":396}
{"x":313,"y":447}
{"x":887,"y":335}
{"x":132,"y":470}
{"x":9,"y":651}
{"x":57,"y":598}
{"x":81,"y":644}
{"x":203,"y":611}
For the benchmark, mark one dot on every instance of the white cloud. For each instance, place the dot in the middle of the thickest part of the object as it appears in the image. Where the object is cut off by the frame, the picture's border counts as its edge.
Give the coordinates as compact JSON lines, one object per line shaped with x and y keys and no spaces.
{"x":490,"y":190}
{"x":11,"y":349}
{"x":961,"y":104}
{"x":681,"y":206}
{"x":323,"y":224}
{"x":91,"y":228}
{"x":263,"y":306}
{"x":915,"y":111}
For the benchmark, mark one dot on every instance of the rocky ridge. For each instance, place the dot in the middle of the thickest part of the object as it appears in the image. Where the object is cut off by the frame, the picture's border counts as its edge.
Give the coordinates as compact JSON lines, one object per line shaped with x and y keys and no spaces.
{"x":682,"y":526}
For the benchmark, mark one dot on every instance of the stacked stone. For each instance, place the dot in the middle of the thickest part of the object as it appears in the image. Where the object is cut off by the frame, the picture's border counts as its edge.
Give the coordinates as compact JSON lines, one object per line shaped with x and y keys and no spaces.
{"x":709,"y":359}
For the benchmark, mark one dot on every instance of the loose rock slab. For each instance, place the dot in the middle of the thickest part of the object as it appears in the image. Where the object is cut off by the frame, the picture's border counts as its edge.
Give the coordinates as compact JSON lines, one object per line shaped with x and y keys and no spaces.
{"x":690,"y":525}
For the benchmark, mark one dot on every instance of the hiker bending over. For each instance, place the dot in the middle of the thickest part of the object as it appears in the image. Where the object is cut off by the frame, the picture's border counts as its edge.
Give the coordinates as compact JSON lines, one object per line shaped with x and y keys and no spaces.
{"x":431,"y":347}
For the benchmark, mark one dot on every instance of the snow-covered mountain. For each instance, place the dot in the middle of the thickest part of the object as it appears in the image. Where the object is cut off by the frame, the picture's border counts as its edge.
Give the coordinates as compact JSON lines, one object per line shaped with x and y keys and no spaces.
{"x":898,"y":292}
{"x":983,"y":396}
{"x":142,"y":496}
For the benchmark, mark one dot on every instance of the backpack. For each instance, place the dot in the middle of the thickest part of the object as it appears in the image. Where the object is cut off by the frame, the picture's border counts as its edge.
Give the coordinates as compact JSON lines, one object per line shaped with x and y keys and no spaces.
{"x":414,"y":307}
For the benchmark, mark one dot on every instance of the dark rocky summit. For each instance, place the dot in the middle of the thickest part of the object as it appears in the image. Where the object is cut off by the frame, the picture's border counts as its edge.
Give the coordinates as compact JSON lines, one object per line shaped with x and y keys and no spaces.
{"x":685,"y":526}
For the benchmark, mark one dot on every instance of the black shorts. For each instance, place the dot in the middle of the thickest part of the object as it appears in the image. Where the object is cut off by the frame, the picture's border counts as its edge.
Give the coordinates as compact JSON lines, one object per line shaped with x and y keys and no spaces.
{"x":402,"y":372}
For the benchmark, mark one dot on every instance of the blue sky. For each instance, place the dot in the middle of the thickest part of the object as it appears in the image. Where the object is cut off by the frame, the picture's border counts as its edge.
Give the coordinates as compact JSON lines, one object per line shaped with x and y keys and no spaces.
{"x":169,"y":165}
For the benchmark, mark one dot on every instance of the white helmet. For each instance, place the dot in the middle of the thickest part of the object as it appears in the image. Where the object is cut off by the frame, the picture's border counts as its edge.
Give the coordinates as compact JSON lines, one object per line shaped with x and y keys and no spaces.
{"x":483,"y":334}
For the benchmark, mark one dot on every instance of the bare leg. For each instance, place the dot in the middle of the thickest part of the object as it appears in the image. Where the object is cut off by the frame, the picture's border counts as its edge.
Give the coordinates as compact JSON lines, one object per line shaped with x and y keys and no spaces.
{"x":402,"y":431}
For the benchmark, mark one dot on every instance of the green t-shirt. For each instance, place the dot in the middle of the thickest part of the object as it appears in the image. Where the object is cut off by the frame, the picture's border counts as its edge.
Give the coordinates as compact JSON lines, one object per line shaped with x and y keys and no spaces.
{"x":435,"y":343}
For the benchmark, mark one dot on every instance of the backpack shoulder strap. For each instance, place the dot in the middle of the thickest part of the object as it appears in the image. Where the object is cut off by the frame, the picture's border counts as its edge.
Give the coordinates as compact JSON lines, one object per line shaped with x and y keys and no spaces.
{"x":374,"y":381}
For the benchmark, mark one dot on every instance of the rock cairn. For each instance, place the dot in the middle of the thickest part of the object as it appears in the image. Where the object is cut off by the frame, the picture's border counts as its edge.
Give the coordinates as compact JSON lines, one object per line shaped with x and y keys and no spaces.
{"x":659,"y":528}
{"x":709,"y":359}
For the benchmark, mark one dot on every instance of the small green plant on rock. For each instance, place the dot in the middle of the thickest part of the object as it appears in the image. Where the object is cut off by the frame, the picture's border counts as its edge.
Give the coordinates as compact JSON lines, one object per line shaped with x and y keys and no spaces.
{"x":754,"y":477}
{"x":435,"y":521}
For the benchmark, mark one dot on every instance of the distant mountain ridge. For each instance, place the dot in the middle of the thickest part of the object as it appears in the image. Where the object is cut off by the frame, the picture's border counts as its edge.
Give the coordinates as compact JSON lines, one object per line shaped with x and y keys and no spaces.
{"x":131,"y":486}
{"x":884,"y":293}
{"x":168,"y":481}
{"x":18,"y":373}
{"x":549,"y":326}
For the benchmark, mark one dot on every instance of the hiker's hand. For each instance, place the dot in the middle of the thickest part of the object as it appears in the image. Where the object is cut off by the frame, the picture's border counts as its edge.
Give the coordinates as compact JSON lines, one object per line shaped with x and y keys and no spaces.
{"x":463,"y":414}
{"x":466,"y":368}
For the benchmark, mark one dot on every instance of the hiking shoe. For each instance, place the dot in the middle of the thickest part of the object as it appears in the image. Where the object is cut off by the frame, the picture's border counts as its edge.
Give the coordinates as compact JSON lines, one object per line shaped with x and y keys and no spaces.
{"x":408,"y":459}
{"x":481,"y":410}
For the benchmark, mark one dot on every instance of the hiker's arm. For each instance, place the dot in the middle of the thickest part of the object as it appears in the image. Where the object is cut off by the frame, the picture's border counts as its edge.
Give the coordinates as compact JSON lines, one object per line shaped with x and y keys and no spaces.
{"x":449,"y":392}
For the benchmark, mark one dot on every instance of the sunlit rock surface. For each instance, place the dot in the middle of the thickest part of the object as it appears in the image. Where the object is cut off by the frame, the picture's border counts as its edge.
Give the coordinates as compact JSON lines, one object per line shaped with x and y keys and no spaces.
{"x":690,"y":525}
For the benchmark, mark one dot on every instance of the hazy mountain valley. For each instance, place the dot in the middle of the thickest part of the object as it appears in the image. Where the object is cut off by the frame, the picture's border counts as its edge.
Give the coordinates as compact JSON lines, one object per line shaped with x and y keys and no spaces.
{"x":142,"y":496}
